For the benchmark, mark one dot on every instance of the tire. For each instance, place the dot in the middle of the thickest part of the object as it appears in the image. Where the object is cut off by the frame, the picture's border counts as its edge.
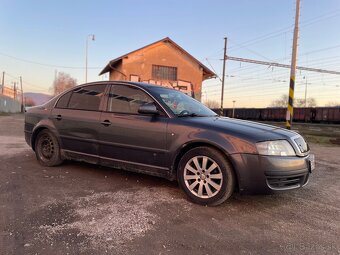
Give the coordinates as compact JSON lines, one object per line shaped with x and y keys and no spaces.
{"x":47,"y":149}
{"x":196,"y":179}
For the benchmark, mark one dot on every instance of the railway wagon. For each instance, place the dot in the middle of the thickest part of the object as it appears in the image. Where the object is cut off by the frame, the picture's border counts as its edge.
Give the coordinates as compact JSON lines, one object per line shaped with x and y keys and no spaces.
{"x":327,"y":115}
{"x":301,"y":114}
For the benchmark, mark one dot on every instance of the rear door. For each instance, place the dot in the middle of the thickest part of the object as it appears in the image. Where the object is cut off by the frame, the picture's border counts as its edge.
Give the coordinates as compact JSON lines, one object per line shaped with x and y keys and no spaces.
{"x":127,"y":137}
{"x":76,"y":117}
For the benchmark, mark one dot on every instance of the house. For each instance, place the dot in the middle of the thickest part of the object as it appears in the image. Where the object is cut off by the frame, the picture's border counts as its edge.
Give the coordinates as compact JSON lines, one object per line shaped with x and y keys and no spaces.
{"x":163,"y":63}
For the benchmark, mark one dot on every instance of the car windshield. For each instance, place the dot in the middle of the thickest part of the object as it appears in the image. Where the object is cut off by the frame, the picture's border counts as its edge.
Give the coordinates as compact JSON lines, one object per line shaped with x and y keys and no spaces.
{"x":181,"y":104}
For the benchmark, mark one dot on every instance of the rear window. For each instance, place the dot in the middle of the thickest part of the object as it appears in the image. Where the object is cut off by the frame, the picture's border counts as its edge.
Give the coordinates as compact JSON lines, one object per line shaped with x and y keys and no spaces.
{"x":63,"y":100}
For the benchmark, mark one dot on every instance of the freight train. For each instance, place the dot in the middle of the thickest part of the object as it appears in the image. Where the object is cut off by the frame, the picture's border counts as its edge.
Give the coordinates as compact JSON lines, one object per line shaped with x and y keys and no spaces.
{"x":303,"y":114}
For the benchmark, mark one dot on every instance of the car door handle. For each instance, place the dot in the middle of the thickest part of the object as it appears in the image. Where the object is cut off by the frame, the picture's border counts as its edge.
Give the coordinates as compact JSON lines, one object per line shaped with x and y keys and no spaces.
{"x":106,"y":123}
{"x":58,"y":117}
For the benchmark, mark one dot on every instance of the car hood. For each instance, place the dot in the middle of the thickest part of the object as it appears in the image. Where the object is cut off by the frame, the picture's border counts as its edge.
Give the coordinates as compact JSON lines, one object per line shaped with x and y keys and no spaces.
{"x":248,"y":130}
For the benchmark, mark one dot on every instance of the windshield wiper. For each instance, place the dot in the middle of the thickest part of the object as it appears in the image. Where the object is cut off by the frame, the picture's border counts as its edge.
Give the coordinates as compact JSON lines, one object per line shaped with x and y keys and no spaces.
{"x":190,"y":115}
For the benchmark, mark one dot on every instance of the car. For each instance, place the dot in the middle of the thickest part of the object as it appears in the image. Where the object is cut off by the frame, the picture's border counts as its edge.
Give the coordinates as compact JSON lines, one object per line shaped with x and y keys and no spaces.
{"x":163,"y":132}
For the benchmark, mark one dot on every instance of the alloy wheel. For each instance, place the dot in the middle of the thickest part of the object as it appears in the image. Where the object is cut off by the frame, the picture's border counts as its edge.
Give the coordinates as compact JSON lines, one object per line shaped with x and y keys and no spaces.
{"x":203,"y":176}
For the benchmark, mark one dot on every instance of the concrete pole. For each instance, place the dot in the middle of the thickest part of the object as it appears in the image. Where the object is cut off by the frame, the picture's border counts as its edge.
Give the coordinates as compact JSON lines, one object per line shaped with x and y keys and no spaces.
{"x":290,"y":108}
{"x":223,"y":73}
{"x":22,"y":96}
{"x":306,"y":93}
{"x":15,"y":90}
{"x":233,"y":108}
{"x":86,"y":53}
{"x":86,"y":50}
{"x":3,"y":83}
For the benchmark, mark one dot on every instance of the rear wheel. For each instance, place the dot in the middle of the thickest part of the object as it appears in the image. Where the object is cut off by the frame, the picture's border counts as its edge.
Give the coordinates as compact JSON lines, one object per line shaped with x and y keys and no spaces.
{"x":206,"y":176}
{"x":47,"y":149}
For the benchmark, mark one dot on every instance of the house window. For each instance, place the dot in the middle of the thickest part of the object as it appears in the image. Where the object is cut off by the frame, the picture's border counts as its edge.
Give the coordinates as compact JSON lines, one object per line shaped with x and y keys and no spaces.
{"x":164,"y":73}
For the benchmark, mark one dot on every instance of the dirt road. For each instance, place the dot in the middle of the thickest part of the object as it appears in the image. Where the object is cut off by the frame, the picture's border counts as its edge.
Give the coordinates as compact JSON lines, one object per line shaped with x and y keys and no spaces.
{"x":82,"y":208}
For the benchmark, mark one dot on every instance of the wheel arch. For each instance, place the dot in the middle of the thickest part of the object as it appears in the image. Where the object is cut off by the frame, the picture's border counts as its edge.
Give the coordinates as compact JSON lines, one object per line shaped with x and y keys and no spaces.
{"x":40,"y":128}
{"x":191,"y":145}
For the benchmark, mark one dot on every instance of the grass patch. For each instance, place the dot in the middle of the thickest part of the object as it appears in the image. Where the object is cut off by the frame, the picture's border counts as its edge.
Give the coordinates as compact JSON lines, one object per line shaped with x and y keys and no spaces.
{"x":325,"y":140}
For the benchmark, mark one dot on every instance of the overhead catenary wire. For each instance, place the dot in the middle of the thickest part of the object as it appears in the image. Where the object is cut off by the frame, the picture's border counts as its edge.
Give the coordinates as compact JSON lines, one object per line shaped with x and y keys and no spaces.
{"x":45,"y":64}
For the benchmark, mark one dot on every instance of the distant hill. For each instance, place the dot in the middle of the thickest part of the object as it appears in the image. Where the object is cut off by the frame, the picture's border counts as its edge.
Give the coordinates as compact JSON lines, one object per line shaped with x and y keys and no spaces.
{"x":37,"y":98}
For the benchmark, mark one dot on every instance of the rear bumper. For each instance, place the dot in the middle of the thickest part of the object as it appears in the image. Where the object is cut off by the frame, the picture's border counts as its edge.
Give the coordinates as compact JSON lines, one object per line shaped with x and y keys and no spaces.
{"x":28,"y":138}
{"x":262,"y":174}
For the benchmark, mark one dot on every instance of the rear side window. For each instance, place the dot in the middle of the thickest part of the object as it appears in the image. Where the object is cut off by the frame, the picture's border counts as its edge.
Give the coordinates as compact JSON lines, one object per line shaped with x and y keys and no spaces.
{"x":87,"y":98}
{"x":63,"y":100}
{"x":126,"y":99}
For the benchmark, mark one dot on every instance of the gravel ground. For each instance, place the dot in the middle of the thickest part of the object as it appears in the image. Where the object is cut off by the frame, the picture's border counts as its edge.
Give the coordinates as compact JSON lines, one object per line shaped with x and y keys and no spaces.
{"x":81,"y":208}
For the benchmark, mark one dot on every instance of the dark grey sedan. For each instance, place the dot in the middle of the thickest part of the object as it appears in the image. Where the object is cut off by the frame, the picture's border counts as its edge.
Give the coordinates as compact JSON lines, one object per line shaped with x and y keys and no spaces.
{"x":163,"y":132}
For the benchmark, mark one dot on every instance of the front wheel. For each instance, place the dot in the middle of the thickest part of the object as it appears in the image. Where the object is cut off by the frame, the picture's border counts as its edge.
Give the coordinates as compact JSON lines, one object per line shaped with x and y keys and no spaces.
{"x":206,"y":176}
{"x":47,"y":149}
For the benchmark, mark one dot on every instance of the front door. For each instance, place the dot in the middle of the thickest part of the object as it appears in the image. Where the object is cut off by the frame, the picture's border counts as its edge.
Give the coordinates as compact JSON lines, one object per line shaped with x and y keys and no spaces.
{"x":127,"y":137}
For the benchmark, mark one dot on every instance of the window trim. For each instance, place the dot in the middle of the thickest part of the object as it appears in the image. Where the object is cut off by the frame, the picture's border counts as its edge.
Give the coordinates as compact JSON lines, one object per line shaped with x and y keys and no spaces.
{"x":100,"y":108}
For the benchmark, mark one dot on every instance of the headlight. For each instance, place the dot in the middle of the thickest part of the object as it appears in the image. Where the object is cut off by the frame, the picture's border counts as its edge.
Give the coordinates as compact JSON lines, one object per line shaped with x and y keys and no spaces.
{"x":275,"y":148}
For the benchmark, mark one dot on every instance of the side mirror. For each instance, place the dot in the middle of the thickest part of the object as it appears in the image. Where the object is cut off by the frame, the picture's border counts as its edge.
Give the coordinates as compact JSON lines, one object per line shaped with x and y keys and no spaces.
{"x":148,"y":108}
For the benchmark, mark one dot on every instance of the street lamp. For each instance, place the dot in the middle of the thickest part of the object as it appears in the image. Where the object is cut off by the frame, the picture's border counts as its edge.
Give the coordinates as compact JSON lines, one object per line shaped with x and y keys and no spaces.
{"x":233,"y":108}
{"x":92,"y":37}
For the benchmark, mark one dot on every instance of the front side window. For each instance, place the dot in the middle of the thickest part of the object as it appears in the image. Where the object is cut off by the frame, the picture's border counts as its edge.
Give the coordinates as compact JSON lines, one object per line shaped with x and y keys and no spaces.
{"x":181,"y":104}
{"x":126,"y":99}
{"x":87,"y":98}
{"x":164,"y":73}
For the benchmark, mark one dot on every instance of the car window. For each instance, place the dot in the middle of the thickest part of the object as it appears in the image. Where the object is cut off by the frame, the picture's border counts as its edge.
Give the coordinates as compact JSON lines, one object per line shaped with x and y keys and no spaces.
{"x":126,"y":99}
{"x":181,"y":104}
{"x":87,"y":98}
{"x":63,"y":100}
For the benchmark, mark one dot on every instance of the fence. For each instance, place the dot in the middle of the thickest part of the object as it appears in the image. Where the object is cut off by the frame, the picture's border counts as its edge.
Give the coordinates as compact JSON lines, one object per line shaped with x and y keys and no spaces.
{"x":11,"y":99}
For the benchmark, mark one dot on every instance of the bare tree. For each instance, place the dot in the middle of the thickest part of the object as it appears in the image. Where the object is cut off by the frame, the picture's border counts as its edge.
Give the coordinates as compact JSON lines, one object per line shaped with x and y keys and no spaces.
{"x":333,"y":104}
{"x":298,"y":102}
{"x":311,"y":102}
{"x":211,"y":104}
{"x":281,"y":102}
{"x":62,"y":82}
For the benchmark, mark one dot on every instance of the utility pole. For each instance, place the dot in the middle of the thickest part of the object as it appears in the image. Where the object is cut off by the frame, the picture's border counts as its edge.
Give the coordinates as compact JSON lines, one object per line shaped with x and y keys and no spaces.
{"x":86,"y":53}
{"x":306,"y":92}
{"x":234,"y":108}
{"x":15,"y":90}
{"x":290,"y":108}
{"x":223,"y":73}
{"x":3,"y":83}
{"x":22,"y":97}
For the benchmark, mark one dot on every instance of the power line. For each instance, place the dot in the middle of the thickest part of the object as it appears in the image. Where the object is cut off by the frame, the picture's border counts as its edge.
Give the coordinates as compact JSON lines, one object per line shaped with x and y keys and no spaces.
{"x":280,"y":65}
{"x":25,"y":82}
{"x":45,"y":64}
{"x":287,"y":29}
{"x":213,"y":69}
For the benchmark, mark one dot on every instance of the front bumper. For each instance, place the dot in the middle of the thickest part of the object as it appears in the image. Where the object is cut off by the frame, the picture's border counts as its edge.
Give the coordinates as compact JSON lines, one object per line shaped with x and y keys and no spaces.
{"x":262,"y":174}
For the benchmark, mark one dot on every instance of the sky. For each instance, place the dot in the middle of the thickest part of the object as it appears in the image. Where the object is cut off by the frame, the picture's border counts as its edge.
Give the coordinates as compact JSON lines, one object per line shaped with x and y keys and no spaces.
{"x":39,"y":37}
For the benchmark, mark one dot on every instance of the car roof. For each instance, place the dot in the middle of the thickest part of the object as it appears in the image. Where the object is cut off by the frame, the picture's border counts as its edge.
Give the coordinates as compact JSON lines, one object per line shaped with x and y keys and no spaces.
{"x":138,"y":84}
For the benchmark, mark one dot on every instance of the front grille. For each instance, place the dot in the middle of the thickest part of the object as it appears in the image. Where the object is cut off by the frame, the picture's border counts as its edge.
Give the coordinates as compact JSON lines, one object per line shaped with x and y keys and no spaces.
{"x":287,"y":182}
{"x":301,"y":143}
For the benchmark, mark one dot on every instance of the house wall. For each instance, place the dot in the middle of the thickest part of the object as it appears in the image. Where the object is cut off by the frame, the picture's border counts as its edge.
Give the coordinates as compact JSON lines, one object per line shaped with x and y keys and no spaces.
{"x":189,"y":73}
